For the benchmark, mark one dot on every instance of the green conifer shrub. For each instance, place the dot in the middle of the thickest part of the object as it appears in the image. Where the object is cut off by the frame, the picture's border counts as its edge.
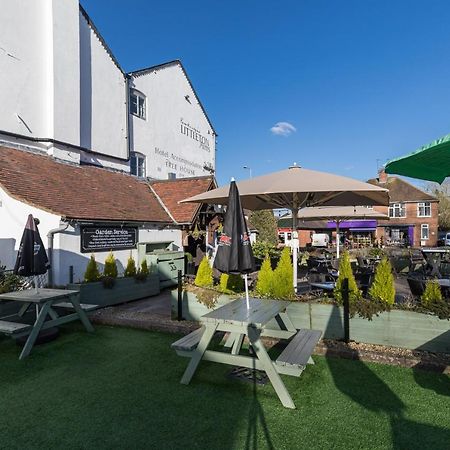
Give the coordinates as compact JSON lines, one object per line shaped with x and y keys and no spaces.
{"x":264,"y":284}
{"x":282,"y":281}
{"x":432,"y":294}
{"x":231,"y":283}
{"x":143,"y":272}
{"x":110,"y":269}
{"x":383,"y":288}
{"x":204,"y":276}
{"x":130,"y":270}
{"x":345,"y":271}
{"x":92,"y":273}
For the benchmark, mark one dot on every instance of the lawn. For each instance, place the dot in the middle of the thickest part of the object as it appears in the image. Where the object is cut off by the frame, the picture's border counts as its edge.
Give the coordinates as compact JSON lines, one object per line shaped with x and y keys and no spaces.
{"x":119,"y":388}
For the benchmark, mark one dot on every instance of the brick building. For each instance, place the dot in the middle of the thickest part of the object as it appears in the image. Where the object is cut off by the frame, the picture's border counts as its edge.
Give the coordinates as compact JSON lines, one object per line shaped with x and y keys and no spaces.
{"x":413,"y":214}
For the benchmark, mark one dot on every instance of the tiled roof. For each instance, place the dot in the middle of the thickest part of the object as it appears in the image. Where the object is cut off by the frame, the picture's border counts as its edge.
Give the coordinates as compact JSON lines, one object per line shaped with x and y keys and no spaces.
{"x":402,"y":191}
{"x":77,"y":192}
{"x":172,"y":191}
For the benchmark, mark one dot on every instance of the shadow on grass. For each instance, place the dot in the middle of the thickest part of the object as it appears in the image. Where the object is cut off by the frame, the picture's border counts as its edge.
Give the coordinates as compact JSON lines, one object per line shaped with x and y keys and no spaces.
{"x":256,"y":419}
{"x":440,"y":383}
{"x":365,"y":388}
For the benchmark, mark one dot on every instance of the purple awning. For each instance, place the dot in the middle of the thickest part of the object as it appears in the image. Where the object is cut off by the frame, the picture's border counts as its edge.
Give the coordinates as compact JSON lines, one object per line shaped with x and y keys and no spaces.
{"x":353,"y":224}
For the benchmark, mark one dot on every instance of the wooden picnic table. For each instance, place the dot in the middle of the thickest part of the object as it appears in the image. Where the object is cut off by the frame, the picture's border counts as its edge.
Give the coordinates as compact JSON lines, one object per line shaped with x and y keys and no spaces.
{"x":239,"y":322}
{"x":45,"y":302}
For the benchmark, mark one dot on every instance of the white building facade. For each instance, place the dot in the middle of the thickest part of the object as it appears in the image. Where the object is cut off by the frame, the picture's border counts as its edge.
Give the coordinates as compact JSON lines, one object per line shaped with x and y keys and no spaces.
{"x":64,"y":95}
{"x":63,"y":92}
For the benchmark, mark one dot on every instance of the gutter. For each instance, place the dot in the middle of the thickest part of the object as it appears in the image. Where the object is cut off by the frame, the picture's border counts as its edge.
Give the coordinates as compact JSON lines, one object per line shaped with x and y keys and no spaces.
{"x":50,"y":237}
{"x":55,"y":141}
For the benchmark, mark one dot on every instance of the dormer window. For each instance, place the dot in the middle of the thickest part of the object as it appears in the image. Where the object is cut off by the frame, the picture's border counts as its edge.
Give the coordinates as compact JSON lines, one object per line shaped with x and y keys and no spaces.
{"x":137,"y":164}
{"x":138,"y":104}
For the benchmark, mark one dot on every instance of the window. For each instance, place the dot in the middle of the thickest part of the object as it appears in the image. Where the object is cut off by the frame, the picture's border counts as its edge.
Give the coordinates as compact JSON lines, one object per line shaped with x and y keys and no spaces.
{"x":424,"y":209}
{"x":138,"y":104}
{"x":137,"y":164}
{"x":397,"y":210}
{"x":424,"y":231}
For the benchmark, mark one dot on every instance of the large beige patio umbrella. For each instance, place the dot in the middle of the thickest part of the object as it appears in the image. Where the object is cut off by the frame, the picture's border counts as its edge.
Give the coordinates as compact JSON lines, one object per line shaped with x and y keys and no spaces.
{"x":337,"y":214}
{"x":296,"y":188}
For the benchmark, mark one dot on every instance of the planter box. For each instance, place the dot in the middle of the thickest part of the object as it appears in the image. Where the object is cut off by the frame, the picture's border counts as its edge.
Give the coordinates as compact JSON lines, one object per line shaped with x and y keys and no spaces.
{"x":193,"y":309}
{"x":396,"y":328}
{"x":124,"y":290}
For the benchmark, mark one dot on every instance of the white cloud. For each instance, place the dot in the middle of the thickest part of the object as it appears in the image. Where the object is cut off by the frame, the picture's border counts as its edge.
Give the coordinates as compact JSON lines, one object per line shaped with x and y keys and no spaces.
{"x":283,"y":129}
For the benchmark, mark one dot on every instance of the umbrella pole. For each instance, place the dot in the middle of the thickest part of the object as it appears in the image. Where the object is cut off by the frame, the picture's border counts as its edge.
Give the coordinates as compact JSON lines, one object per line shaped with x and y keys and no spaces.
{"x":337,"y":238}
{"x":36,"y":284}
{"x":294,"y":241}
{"x":247,"y":300}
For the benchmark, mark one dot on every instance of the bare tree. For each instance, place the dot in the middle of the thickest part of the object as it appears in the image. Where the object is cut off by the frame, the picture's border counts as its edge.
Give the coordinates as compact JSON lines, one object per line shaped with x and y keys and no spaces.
{"x":442,"y":193}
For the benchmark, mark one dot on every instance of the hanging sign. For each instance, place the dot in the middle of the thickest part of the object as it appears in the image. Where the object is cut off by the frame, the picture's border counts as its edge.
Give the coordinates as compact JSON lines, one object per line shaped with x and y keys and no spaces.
{"x":102,"y":239}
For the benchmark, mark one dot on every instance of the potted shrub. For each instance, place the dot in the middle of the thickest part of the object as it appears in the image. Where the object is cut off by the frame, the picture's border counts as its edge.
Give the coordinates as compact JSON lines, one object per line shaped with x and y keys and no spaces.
{"x":110,"y":289}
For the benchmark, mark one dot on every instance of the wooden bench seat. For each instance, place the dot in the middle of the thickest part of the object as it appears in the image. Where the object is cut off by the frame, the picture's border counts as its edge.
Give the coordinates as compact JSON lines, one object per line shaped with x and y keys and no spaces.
{"x":189,"y":342}
{"x":299,"y":350}
{"x":12,"y":327}
{"x":84,"y":306}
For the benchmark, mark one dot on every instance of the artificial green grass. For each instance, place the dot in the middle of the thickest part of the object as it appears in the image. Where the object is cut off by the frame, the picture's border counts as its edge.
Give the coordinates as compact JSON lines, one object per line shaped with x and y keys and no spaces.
{"x":119,"y":388}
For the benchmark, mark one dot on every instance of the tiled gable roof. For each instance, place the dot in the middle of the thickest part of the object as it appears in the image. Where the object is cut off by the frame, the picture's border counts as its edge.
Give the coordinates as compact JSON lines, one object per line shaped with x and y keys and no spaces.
{"x":77,"y":192}
{"x":402,"y":191}
{"x":172,"y":191}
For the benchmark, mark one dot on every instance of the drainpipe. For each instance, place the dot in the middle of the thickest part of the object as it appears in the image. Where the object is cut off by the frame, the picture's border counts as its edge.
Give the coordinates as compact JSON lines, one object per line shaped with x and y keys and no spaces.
{"x":50,"y":236}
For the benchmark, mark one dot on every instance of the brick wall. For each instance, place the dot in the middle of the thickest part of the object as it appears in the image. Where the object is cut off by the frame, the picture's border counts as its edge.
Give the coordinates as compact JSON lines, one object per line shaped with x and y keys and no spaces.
{"x":412,"y":219}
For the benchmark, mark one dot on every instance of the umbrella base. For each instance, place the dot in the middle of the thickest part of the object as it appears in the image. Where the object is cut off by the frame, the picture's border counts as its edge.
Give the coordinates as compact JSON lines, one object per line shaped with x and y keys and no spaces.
{"x":48,"y":335}
{"x":253,"y":376}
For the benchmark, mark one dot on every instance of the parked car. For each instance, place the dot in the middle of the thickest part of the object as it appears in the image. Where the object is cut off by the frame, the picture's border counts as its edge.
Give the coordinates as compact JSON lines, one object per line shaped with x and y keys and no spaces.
{"x":443,"y":239}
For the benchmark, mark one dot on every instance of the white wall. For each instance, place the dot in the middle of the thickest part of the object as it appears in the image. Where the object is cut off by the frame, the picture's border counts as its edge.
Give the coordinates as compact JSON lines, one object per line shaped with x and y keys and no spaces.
{"x":25,"y":53}
{"x":68,"y":253}
{"x":160,"y":136}
{"x":66,"y":245}
{"x":14,"y":216}
{"x":103,"y":97}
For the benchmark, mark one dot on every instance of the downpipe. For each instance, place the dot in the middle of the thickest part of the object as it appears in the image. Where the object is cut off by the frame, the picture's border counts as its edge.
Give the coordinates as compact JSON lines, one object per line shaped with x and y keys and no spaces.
{"x":50,"y":238}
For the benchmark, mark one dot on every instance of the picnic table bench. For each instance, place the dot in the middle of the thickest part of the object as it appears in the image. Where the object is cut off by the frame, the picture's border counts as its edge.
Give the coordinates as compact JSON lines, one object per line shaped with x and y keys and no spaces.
{"x":47,"y":302}
{"x":235,"y":319}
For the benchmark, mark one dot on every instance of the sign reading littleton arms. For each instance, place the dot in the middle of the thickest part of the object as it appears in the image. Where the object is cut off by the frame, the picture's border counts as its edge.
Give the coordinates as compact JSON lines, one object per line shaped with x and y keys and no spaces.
{"x":102,"y":239}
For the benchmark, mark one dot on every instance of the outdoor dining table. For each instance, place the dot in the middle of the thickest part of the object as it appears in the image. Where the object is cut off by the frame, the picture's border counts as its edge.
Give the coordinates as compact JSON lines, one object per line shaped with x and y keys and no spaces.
{"x":240,"y":321}
{"x":45,"y":301}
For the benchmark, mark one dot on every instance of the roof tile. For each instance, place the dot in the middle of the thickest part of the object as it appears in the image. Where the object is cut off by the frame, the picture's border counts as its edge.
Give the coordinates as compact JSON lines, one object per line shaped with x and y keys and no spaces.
{"x":77,"y":192}
{"x":172,"y":191}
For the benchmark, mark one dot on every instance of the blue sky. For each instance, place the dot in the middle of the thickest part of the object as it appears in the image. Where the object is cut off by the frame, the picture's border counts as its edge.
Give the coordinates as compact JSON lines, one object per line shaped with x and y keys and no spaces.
{"x":359,"y":80}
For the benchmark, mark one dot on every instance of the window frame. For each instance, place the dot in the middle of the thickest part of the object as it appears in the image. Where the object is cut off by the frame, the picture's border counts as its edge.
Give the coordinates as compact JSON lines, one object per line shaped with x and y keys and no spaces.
{"x":137,"y":156}
{"x":424,"y":226}
{"x":400,"y":206}
{"x":142,"y":114}
{"x":423,"y":205}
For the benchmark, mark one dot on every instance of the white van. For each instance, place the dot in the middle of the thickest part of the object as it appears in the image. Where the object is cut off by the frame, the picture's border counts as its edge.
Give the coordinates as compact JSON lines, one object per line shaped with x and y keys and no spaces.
{"x":321,"y":240}
{"x":447,"y":239}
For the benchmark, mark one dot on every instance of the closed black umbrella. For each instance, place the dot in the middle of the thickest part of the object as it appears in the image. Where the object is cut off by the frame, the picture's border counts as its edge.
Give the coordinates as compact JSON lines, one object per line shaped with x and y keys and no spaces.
{"x":234,"y":253}
{"x":31,"y":258}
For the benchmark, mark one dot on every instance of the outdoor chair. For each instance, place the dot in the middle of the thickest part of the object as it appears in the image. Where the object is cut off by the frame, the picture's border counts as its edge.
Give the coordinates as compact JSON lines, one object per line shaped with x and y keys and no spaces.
{"x":416,"y":285}
{"x":364,"y":281}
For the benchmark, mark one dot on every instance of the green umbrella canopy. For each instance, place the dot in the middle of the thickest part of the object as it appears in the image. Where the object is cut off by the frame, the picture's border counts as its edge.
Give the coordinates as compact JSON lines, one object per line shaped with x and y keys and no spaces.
{"x":430,"y":162}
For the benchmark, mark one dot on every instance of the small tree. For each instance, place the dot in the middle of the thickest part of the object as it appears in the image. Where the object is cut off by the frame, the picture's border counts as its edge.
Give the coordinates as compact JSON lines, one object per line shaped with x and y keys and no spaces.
{"x":282,"y":285}
{"x":92,"y":273}
{"x":432,"y":294}
{"x":264,"y":285}
{"x":231,"y":283}
{"x":266,"y":224}
{"x":383,"y":288}
{"x":110,"y":269}
{"x":130,"y":270}
{"x":204,"y":276}
{"x":345,"y":271}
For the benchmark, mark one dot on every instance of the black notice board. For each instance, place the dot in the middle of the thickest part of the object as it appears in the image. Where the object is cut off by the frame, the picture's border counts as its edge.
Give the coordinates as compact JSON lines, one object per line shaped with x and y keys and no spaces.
{"x":102,"y":239}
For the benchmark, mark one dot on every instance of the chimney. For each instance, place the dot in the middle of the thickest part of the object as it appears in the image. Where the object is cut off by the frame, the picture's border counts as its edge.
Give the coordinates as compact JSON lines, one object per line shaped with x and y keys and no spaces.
{"x":382,"y":176}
